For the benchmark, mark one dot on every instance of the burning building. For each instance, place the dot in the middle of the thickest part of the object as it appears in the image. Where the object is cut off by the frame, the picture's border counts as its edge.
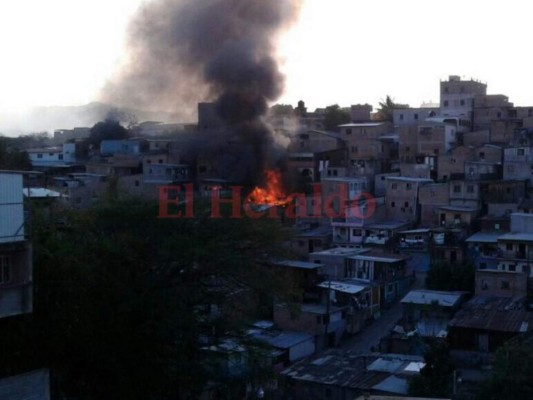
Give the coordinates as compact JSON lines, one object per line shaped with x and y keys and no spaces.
{"x":223,"y":51}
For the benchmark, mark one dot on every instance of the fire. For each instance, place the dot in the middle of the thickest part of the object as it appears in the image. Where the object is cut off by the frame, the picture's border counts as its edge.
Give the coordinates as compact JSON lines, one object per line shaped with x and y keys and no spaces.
{"x":272,"y":194}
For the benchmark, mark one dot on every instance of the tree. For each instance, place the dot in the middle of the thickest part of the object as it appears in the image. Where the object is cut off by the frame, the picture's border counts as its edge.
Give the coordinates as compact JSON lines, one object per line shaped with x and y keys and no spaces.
{"x":436,"y":378}
{"x":121,"y":296}
{"x":512,"y":372}
{"x":386,"y":108}
{"x":334,"y":117}
{"x":12,"y":158}
{"x":109,"y":129}
{"x":450,"y":277}
{"x":282,"y":110}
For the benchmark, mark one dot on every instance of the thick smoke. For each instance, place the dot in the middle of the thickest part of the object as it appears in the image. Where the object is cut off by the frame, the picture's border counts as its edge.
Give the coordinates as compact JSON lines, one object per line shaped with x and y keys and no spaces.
{"x":182,"y":52}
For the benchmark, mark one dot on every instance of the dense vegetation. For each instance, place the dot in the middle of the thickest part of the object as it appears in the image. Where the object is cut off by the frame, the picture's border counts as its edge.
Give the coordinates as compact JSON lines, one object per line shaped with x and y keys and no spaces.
{"x":451,"y":277}
{"x":121,"y":298}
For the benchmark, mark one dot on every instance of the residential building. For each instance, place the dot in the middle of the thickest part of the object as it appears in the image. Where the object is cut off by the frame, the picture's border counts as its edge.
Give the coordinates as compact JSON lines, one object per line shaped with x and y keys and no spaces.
{"x":16,"y":287}
{"x":62,"y":155}
{"x":341,"y":374}
{"x":402,"y":198}
{"x":457,"y":97}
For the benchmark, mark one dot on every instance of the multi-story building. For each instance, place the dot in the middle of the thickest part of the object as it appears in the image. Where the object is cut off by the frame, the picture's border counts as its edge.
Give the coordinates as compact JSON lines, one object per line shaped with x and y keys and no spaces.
{"x":457,"y":97}
{"x":15,"y":249}
{"x":402,"y":198}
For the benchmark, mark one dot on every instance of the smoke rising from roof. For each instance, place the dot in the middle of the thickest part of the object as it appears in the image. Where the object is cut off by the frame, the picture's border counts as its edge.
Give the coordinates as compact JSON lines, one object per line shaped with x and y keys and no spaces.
{"x":187,"y":51}
{"x":181,"y":52}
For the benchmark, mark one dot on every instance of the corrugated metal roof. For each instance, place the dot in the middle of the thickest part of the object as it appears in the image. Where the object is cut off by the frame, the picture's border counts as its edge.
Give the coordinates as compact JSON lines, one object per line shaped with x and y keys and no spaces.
{"x":484,"y":237}
{"x":393,"y":384}
{"x":33,"y":385}
{"x":344,"y":287}
{"x":493,"y":314}
{"x":298,"y":264}
{"x":426,"y":297}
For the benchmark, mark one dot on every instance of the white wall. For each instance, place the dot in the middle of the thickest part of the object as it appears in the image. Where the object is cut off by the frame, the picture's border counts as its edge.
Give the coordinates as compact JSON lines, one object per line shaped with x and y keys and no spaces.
{"x":11,"y":208}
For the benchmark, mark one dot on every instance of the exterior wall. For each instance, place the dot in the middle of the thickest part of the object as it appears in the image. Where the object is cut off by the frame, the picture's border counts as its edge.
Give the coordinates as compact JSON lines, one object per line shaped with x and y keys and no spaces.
{"x":521,"y":222}
{"x":489,"y":153}
{"x":415,"y":170}
{"x":304,"y":321}
{"x":501,"y":284}
{"x":380,"y":183}
{"x":302,"y":350}
{"x":476,"y":170}
{"x":314,"y":141}
{"x":432,"y":196}
{"x":436,"y":139}
{"x":457,"y":96}
{"x":11,"y":208}
{"x":503,"y":131}
{"x":412,"y":116}
{"x":402,"y":199}
{"x":131,"y":147}
{"x":476,"y":138}
{"x":408,"y":148}
{"x":453,"y":163}
{"x":15,"y":252}
{"x":488,"y":108}
{"x":465,"y":193}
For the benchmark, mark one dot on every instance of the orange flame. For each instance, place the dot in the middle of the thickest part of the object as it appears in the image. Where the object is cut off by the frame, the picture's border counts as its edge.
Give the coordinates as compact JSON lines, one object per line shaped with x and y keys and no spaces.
{"x":272,"y":194}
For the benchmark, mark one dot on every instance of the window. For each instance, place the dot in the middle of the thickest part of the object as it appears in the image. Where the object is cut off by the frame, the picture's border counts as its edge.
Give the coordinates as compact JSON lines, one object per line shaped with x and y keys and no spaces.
{"x":5,"y":269}
{"x":520,"y":152}
{"x":481,"y":155}
{"x":148,"y":161}
{"x":462,"y":102}
{"x":406,"y":204}
{"x":39,"y":155}
{"x":508,"y":190}
{"x":408,"y":186}
{"x":136,"y":183}
{"x":484,"y":285}
{"x":392,"y":204}
{"x":482,"y":265}
{"x":349,"y":131}
{"x":445,"y":103}
{"x":512,"y":267}
{"x":436,"y":152}
{"x":401,"y":117}
{"x":390,"y":288}
{"x":394,"y":186}
{"x":509,"y":246}
{"x":505,"y":285}
{"x":457,"y":188}
{"x":497,"y":227}
{"x":334,"y":172}
{"x":60,"y":156}
{"x":407,"y":148}
{"x":415,"y":116}
{"x":470,"y":188}
{"x":354,"y":149}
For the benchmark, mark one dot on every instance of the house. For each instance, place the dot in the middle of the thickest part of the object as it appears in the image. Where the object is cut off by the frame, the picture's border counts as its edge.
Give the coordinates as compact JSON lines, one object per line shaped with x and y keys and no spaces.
{"x":304,"y":275}
{"x":325,"y":322}
{"x":432,"y":196}
{"x":370,"y":146}
{"x":16,"y":287}
{"x":128,"y":146}
{"x":402,"y":198}
{"x":457,"y":96}
{"x":310,"y":240}
{"x":361,"y":297}
{"x":486,"y":322}
{"x":429,"y":311}
{"x":412,"y":116}
{"x":483,"y":249}
{"x":333,"y":261}
{"x":289,"y":347}
{"x":389,"y":271}
{"x":62,"y":155}
{"x":451,"y":165}
{"x":345,"y":374}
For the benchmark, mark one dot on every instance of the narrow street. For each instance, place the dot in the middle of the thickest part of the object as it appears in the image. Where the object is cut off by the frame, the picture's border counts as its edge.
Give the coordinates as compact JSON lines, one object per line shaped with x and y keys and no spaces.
{"x":371,"y":335}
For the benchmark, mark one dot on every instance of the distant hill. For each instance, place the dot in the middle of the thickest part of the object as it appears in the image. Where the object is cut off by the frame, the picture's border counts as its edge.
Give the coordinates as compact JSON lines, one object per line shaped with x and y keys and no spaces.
{"x":49,"y":118}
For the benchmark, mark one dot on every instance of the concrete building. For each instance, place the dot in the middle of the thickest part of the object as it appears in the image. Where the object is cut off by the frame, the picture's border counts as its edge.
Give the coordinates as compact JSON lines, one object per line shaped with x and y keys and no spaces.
{"x":53,"y":156}
{"x":412,"y":116}
{"x":16,"y":285}
{"x":402,"y":198}
{"x":457,"y":97}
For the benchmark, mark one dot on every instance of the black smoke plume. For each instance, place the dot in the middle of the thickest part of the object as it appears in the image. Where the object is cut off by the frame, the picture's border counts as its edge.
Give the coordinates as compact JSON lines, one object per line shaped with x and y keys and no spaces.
{"x":182,"y":52}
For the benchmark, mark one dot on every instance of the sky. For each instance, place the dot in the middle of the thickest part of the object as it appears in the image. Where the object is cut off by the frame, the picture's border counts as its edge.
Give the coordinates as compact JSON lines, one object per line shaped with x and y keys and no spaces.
{"x":61,"y":52}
